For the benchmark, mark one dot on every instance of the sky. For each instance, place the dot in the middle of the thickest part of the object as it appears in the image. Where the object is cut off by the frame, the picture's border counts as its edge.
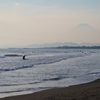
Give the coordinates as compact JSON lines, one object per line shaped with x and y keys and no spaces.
{"x":25,"y":22}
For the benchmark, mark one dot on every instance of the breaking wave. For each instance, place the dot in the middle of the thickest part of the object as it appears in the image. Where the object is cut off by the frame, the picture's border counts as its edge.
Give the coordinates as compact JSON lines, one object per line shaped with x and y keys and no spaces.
{"x":16,"y":68}
{"x":12,"y":55}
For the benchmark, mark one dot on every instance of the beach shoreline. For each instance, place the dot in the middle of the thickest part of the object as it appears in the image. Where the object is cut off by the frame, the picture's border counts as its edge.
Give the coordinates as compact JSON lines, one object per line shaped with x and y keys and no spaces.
{"x":87,"y":91}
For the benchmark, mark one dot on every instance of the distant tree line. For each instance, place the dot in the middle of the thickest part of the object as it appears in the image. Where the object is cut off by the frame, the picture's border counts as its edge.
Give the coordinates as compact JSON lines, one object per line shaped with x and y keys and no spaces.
{"x":78,"y":47}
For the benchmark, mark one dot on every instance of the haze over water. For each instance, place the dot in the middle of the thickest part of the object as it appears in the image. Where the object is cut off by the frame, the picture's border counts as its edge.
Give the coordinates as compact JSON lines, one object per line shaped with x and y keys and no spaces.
{"x":26,"y":22}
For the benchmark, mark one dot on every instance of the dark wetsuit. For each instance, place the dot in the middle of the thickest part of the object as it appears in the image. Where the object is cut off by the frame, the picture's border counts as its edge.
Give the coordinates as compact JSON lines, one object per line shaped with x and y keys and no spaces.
{"x":24,"y":57}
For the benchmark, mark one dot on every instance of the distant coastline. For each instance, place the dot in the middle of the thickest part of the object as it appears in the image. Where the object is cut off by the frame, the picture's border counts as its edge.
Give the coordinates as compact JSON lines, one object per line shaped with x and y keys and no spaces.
{"x":75,"y":47}
{"x":64,"y":47}
{"x":59,"y":44}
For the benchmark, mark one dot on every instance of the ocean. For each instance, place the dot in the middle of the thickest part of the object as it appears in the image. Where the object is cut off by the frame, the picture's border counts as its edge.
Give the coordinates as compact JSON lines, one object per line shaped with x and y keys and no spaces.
{"x":46,"y":69}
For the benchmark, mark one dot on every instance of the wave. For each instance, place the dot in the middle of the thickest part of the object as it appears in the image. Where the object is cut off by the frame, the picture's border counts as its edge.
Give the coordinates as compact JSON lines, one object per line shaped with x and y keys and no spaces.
{"x":15,"y":64}
{"x":16,"y":68}
{"x":11,"y":91}
{"x":93,"y":73}
{"x":27,"y":89}
{"x":2,"y":56}
{"x":12,"y":55}
{"x":57,"y":58}
{"x":54,"y":79}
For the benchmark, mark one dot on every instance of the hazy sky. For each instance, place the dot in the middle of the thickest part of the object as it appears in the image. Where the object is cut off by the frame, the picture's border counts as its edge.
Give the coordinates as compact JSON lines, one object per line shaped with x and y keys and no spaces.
{"x":24,"y":22}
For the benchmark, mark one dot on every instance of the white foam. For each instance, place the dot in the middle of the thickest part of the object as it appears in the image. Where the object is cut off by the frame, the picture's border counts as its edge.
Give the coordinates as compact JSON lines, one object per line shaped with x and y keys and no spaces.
{"x":14,"y":61}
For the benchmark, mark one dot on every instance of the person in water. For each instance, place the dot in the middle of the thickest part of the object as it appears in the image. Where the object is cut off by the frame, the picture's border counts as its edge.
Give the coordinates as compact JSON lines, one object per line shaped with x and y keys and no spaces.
{"x":24,"y":57}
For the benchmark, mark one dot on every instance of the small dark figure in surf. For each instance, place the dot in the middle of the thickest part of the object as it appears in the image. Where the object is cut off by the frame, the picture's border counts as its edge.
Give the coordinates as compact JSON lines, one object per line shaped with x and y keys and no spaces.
{"x":24,"y":57}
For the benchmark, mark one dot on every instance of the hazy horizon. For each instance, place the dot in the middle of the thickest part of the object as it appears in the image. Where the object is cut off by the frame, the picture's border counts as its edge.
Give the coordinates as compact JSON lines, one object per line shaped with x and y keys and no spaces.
{"x":25,"y":22}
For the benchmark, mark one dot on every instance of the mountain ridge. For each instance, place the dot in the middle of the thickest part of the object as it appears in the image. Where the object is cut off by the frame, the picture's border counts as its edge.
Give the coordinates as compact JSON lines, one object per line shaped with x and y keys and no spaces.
{"x":83,"y":33}
{"x":57,"y":44}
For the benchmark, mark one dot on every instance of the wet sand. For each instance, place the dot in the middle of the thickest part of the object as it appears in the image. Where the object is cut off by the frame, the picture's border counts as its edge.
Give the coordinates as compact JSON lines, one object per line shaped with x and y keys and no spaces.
{"x":88,"y":91}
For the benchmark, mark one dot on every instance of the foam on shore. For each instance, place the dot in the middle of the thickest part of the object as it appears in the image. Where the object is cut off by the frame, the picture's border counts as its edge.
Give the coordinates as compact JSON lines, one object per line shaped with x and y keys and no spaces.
{"x":88,"y":91}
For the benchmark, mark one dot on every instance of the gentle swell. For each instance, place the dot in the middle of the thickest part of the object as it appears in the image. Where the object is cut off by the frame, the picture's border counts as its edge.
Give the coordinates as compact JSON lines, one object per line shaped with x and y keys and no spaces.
{"x":20,"y":64}
{"x":16,"y":68}
{"x":12,"y":55}
{"x":54,"y":79}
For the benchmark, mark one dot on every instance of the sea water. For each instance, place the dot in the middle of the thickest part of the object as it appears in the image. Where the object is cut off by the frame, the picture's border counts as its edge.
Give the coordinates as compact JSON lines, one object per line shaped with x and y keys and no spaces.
{"x":46,"y":69}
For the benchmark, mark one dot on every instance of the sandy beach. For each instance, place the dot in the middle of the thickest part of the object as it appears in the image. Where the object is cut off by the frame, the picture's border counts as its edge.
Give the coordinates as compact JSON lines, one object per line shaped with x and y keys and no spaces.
{"x":88,"y":91}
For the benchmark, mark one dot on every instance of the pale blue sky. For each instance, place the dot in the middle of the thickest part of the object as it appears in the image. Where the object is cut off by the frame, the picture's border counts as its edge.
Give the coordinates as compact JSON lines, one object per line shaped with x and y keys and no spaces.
{"x":62,"y":3}
{"x":67,"y":4}
{"x":46,"y":21}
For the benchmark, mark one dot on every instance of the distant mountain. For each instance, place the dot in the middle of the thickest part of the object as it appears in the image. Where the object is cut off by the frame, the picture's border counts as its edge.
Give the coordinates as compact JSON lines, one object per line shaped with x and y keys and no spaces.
{"x":70,"y":44}
{"x":84,"y":33}
{"x":52,"y":45}
{"x":83,"y":25}
{"x":58,"y":44}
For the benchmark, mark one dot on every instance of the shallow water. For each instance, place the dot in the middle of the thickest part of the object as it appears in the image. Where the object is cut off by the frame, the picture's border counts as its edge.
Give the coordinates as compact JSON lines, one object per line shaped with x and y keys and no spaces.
{"x":45,"y":69}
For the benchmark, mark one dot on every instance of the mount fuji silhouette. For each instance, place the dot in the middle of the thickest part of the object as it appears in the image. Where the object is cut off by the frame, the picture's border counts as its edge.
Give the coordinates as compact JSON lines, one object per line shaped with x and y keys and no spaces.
{"x":84,"y":33}
{"x":84,"y":26}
